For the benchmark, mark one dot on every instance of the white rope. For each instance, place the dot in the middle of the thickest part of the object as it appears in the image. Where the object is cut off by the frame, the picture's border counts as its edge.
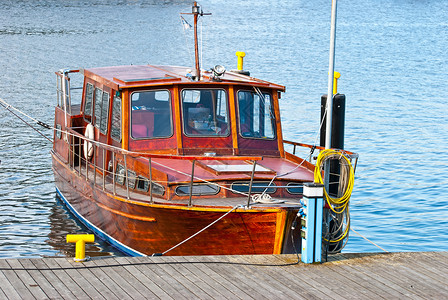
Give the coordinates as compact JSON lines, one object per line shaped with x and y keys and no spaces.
{"x":351,"y":227}
{"x":8,"y":106}
{"x":265,"y":199}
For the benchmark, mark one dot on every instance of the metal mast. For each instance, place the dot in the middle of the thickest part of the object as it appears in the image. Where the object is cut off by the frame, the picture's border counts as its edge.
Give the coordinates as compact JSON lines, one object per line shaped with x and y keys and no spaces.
{"x":196,"y":12}
{"x":329,"y":107}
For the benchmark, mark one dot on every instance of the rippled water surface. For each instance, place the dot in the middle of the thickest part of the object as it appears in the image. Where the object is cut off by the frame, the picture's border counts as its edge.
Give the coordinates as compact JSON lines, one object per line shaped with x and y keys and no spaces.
{"x":394,"y":64}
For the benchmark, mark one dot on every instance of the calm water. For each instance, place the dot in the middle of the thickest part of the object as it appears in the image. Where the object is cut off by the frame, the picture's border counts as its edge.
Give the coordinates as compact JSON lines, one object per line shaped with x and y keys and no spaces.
{"x":394,"y":64}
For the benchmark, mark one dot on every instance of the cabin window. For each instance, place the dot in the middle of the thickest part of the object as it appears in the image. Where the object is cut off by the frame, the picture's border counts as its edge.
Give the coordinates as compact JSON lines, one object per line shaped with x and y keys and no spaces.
{"x":198,"y":190}
{"x":104,"y":113}
{"x":205,"y":112}
{"x":256,"y":115}
{"x":98,"y":104}
{"x":116,"y":119}
{"x":295,"y":188}
{"x":257,"y":187}
{"x":88,"y":100}
{"x":142,"y":184}
{"x":101,"y":110}
{"x":151,"y":114}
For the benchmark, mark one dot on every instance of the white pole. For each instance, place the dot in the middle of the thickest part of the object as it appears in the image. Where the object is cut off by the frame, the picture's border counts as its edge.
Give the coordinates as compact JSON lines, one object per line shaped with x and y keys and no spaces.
{"x":64,"y":94}
{"x":329,"y":107}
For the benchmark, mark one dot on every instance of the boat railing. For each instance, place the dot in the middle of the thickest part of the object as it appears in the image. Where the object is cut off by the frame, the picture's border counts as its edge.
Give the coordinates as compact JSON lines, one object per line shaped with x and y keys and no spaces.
{"x":64,"y":90}
{"x":351,"y":155}
{"x":92,"y":158}
{"x":336,"y":180}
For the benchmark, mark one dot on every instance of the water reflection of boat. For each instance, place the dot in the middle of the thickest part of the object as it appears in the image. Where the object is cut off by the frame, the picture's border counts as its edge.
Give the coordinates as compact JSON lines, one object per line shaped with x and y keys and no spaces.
{"x":168,"y":160}
{"x":63,"y":223}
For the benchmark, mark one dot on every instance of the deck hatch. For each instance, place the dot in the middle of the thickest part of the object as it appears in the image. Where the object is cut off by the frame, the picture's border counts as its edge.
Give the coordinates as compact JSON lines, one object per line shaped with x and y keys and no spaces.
{"x":243,"y":168}
{"x":146,"y":80}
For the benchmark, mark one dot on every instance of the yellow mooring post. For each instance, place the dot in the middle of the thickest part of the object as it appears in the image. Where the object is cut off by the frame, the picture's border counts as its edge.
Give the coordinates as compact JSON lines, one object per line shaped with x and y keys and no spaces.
{"x":335,"y":82}
{"x":80,"y":240}
{"x":240,"y":55}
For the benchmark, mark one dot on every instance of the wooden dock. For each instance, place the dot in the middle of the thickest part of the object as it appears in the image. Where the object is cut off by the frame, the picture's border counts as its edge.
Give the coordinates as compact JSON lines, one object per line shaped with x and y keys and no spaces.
{"x":421,"y":275}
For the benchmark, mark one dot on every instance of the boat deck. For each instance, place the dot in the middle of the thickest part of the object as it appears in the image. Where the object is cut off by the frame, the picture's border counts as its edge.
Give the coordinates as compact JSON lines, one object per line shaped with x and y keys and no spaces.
{"x":418,"y":275}
{"x":211,"y":201}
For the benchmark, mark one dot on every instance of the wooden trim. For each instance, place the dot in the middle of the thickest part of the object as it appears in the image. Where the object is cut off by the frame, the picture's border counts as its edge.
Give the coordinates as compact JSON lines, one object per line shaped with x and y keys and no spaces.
{"x":278,"y":123}
{"x":147,"y":80}
{"x":233,"y":125}
{"x":100,"y":79}
{"x":125,"y":119}
{"x":300,"y":161}
{"x":319,"y":147}
{"x":177,"y":120}
{"x":279,"y":232}
{"x":126,"y":215}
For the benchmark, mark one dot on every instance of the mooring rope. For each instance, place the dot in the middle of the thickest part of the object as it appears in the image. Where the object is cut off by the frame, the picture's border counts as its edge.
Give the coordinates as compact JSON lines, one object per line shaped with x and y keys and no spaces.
{"x":10,"y":108}
{"x":368,"y":240}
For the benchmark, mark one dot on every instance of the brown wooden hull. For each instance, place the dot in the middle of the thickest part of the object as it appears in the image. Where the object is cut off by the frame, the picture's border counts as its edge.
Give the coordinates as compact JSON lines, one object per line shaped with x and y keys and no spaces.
{"x":154,"y":228}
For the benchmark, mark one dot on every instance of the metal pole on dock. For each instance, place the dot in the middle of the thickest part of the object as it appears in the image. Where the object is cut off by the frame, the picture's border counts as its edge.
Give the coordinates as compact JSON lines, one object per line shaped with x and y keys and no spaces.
{"x":329,"y":106}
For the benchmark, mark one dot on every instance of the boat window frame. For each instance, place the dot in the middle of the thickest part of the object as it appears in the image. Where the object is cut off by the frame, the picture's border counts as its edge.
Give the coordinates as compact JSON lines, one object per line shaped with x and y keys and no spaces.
{"x":292,"y":185}
{"x":96,"y":120}
{"x":90,"y":102}
{"x":273,"y":120}
{"x":170,"y":99}
{"x":216,"y":189}
{"x":229,"y":123}
{"x":104,"y":120}
{"x":120,"y":116}
{"x":145,"y":181}
{"x":267,"y":187}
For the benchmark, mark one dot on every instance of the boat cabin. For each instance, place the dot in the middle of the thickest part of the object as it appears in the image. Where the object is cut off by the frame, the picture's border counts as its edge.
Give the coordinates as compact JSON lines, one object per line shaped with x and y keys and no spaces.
{"x":224,"y":121}
{"x":161,"y":110}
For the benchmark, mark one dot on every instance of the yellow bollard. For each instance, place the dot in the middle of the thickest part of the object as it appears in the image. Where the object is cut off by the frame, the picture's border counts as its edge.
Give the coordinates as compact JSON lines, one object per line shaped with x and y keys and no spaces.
{"x":335,"y":82}
{"x":240,"y":55}
{"x":80,"y":240}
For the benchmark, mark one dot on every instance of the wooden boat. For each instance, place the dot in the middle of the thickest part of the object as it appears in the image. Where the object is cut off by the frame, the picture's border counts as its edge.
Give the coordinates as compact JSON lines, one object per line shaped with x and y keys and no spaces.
{"x":166,"y":160}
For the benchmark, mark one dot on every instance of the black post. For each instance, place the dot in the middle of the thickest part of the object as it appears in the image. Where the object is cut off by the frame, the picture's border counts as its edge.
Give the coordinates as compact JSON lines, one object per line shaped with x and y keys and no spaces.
{"x":338,"y":120}
{"x":337,"y":139}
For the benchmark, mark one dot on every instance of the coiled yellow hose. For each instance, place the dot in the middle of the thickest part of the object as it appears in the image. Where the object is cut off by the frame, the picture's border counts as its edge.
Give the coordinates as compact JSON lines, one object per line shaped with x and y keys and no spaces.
{"x":337,"y":205}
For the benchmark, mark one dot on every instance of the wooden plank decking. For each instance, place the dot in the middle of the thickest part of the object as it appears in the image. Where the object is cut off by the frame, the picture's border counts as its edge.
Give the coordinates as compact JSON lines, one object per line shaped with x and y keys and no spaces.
{"x":420,"y":275}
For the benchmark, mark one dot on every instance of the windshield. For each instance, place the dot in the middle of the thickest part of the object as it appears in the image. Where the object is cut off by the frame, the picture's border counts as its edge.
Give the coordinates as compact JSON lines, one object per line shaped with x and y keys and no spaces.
{"x":151,"y":114}
{"x":256,"y":115}
{"x":205,"y":112}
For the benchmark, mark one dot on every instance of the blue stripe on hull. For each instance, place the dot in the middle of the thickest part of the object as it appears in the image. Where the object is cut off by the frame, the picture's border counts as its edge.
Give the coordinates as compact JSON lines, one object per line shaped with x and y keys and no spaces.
{"x":98,"y":232}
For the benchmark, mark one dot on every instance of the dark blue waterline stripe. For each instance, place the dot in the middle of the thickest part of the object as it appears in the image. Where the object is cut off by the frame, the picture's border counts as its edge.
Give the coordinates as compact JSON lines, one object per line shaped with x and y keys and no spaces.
{"x":98,"y":232}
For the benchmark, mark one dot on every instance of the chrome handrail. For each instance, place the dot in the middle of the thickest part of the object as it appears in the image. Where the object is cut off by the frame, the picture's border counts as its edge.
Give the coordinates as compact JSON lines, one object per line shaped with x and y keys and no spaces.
{"x":78,"y":158}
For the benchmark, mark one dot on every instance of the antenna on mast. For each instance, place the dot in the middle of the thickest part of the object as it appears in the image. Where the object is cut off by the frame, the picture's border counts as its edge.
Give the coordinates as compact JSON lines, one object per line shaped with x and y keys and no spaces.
{"x":196,"y":11}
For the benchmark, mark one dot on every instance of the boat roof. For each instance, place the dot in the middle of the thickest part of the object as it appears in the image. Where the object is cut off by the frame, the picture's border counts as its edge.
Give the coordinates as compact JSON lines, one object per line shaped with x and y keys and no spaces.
{"x":132,"y":76}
